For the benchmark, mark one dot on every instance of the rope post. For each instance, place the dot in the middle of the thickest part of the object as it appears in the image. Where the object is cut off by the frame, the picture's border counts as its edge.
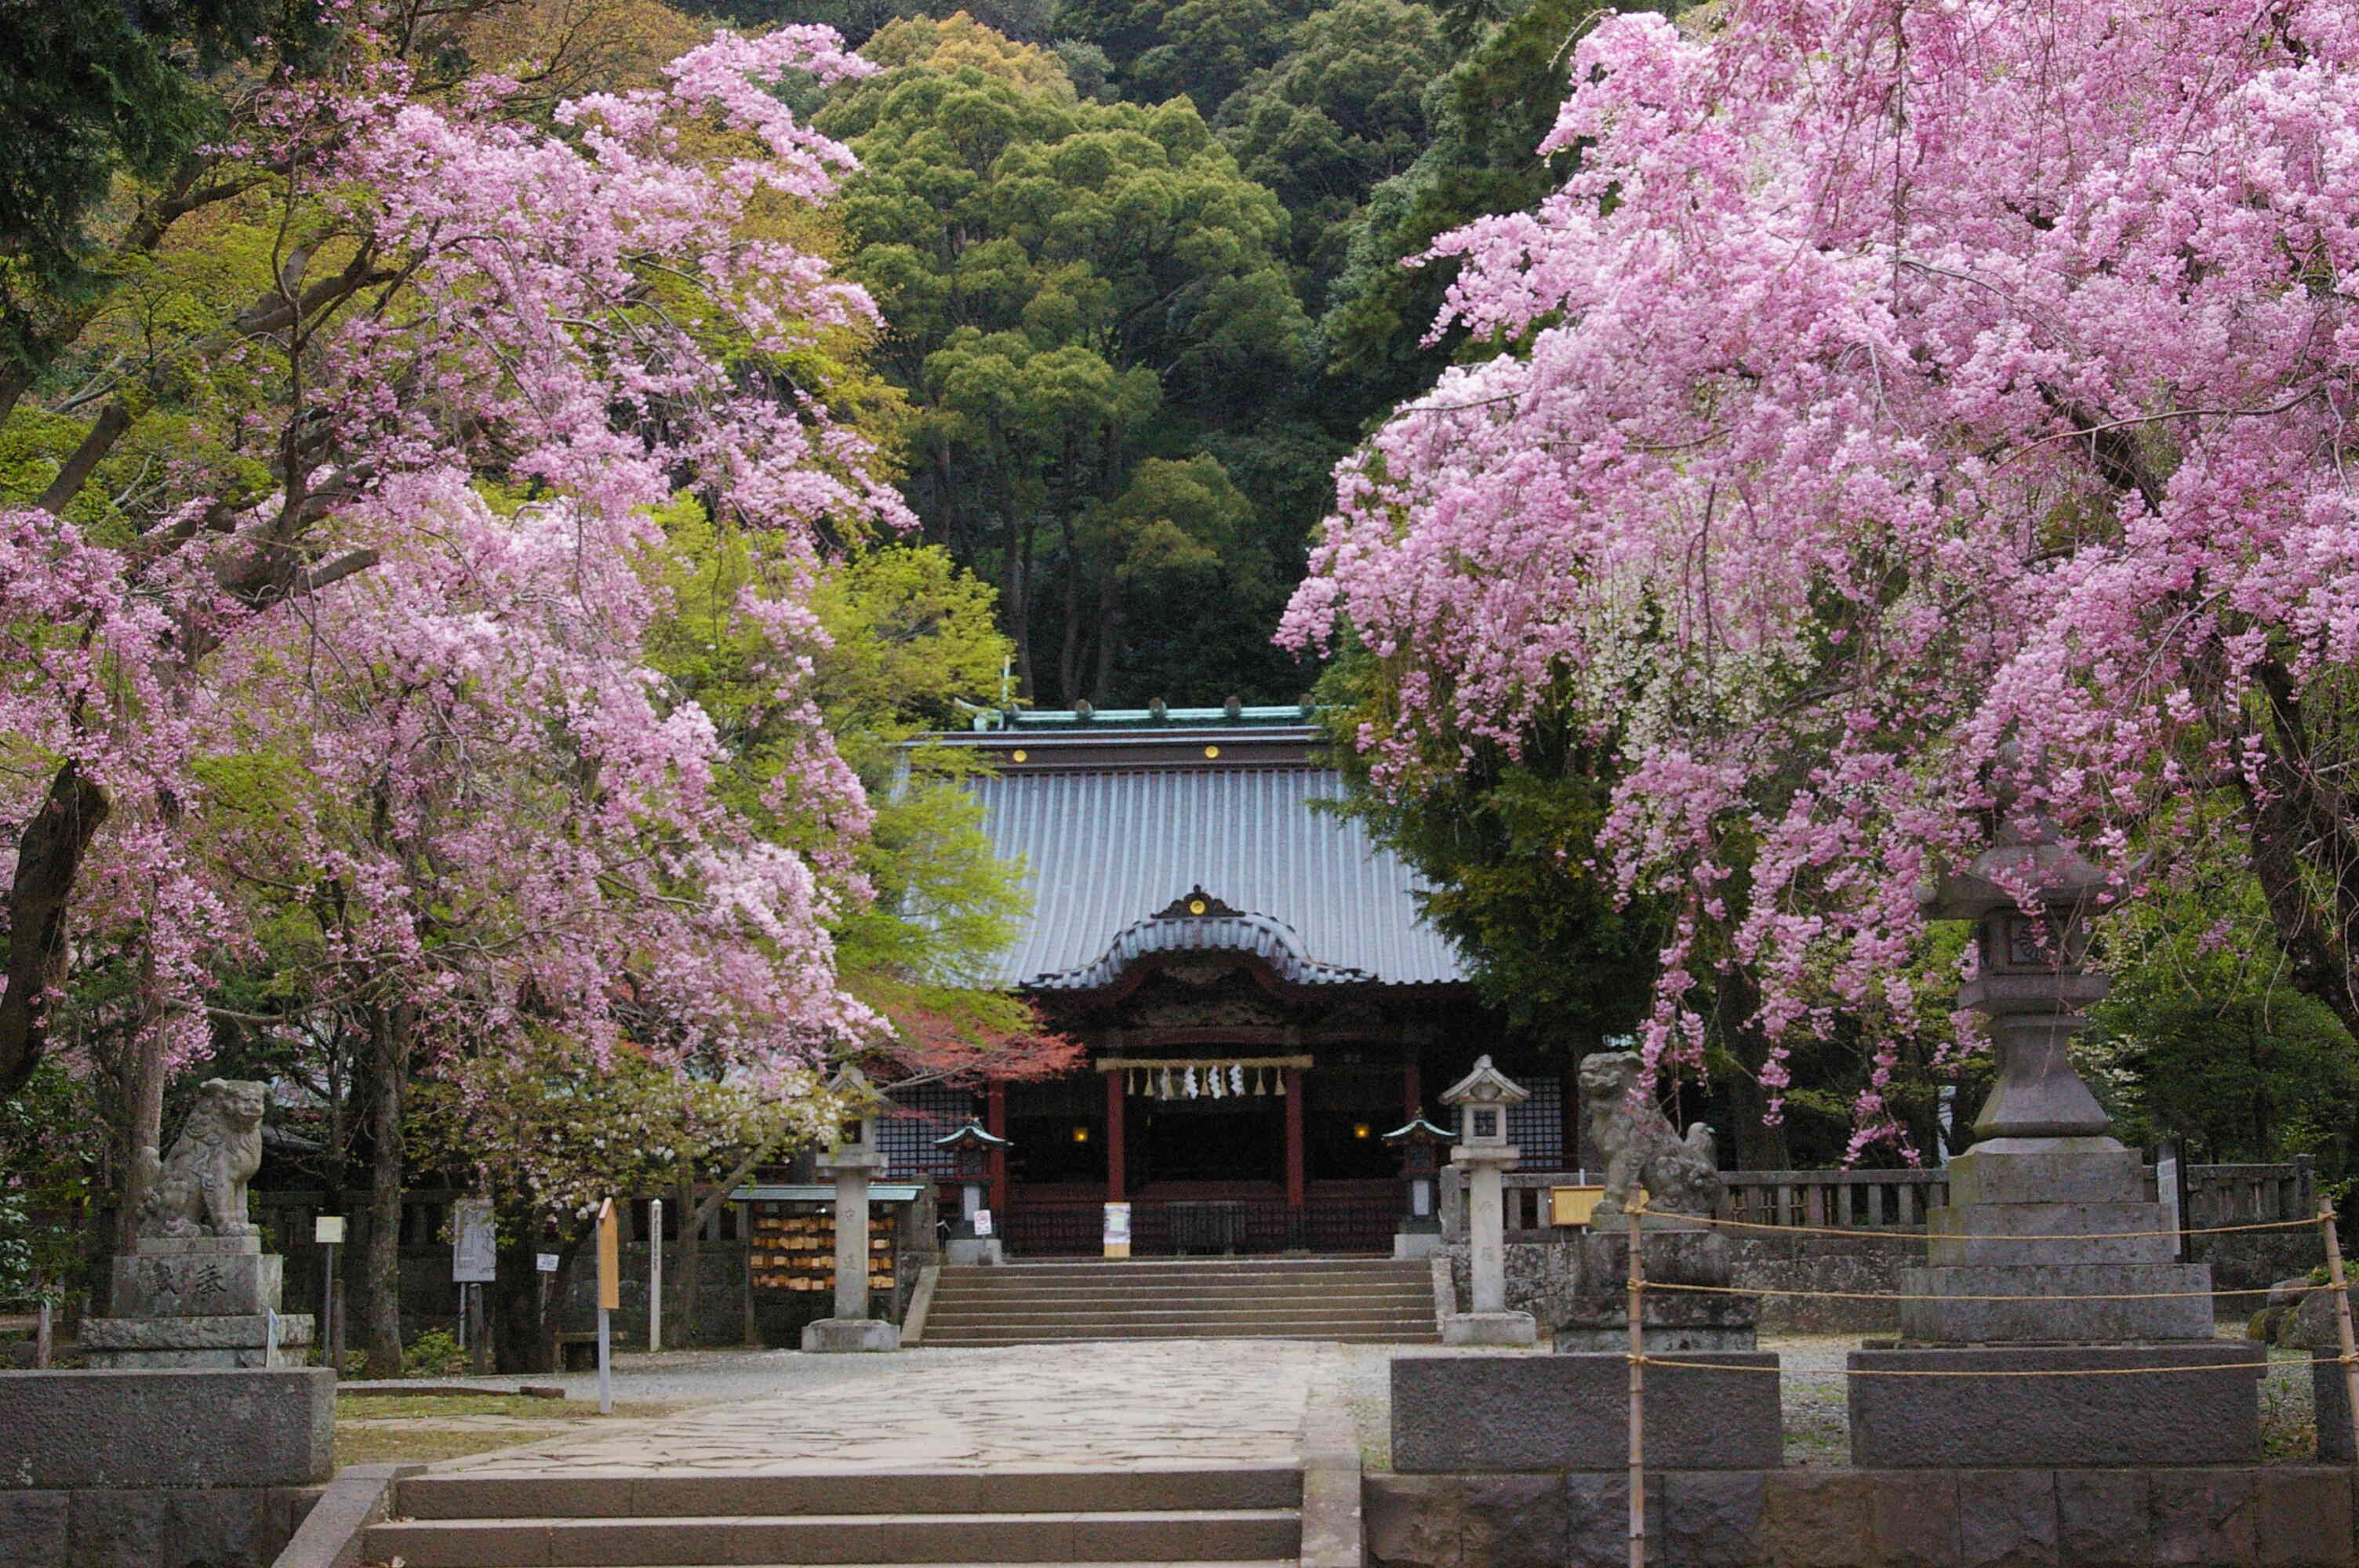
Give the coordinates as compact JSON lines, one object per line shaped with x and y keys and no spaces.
{"x":2342,"y":1289}
{"x":1637,"y":1391}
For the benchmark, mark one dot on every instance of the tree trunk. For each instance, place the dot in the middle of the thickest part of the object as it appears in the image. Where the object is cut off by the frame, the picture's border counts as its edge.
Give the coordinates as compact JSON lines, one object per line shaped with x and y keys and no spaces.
{"x":143,"y":1134}
{"x":379,"y":1293}
{"x":48,"y":862}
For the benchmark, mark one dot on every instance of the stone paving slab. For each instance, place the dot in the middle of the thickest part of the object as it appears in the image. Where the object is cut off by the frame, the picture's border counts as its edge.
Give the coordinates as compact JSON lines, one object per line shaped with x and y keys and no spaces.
{"x":1156,"y":1404}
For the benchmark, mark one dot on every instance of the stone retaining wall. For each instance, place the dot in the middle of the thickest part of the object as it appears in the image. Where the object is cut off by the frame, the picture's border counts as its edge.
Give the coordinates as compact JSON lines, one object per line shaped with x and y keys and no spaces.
{"x":159,"y":1469}
{"x":2273,"y":1516}
{"x":1540,"y":1278}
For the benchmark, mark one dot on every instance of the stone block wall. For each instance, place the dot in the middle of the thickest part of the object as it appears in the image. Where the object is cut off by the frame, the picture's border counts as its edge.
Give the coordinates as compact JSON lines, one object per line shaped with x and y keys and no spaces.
{"x":1541,"y":1277}
{"x":181,"y":1469}
{"x":2276,"y":1516}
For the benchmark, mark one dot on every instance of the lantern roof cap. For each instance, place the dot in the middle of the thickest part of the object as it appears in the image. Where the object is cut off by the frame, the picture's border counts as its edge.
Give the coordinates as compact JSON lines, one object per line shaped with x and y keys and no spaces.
{"x":1485,"y":1086}
{"x":1419,"y":1132}
{"x":973,"y":1134}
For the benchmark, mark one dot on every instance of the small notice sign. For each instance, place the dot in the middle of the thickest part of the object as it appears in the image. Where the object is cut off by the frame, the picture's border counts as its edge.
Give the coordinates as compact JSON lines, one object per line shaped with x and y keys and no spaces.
{"x":982,"y":1222}
{"x":474,"y":1244}
{"x":1118,"y":1231}
{"x":545,"y":1261}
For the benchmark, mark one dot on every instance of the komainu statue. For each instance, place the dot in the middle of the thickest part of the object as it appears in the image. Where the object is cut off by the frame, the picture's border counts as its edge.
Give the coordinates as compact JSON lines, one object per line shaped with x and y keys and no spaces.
{"x":1636,"y":1141}
{"x":200,"y":1188}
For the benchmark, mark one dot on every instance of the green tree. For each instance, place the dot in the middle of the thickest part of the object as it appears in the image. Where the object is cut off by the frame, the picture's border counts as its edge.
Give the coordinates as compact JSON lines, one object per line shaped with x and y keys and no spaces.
{"x":1487,"y":117}
{"x":1340,"y":111}
{"x":1074,"y":288}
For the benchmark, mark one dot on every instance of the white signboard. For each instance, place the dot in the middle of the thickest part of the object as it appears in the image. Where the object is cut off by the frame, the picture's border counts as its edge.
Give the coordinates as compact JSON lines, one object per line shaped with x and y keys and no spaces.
{"x":474,"y":1244}
{"x":982,"y":1222}
{"x":1117,"y":1225}
{"x":545,"y":1261}
{"x":328,"y":1230}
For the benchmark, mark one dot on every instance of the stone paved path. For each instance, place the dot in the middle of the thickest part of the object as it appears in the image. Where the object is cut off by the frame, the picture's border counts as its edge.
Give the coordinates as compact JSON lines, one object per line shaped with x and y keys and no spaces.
{"x":1113,"y":1406}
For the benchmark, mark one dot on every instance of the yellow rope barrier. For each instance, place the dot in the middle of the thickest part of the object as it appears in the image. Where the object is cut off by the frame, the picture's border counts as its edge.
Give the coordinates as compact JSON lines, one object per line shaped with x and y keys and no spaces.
{"x":2216,"y":1368}
{"x":1879,"y":1296}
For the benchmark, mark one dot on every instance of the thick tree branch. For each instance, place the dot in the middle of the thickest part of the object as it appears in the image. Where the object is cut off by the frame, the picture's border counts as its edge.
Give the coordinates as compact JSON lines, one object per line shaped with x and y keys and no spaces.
{"x":48,"y":861}
{"x":113,"y":421}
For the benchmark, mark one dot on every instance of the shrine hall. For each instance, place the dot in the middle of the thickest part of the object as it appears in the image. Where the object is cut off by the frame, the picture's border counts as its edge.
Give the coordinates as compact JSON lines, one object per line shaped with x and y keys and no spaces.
{"x":1259,"y":1001}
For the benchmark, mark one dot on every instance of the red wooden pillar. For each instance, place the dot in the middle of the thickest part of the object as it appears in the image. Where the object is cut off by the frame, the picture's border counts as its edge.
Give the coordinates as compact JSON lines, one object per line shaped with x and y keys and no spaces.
{"x":994,"y":1121}
{"x":1568,"y":1106}
{"x":1294,"y":1157}
{"x":1116,"y":1167}
{"x":1412,"y":1092}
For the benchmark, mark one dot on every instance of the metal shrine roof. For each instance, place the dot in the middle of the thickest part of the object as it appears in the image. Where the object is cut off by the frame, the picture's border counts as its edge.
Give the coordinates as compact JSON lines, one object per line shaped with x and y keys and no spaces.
{"x":1126,"y":830}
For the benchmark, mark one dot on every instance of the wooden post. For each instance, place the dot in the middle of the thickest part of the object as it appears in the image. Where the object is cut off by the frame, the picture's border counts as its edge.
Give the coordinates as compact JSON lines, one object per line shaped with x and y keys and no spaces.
{"x":1295,"y":1182}
{"x":994,"y":1121}
{"x":1412,"y":1090}
{"x":1637,"y":1392}
{"x":44,"y":1343}
{"x":1116,"y":1161}
{"x":610,"y":1296}
{"x":2342,"y":1289}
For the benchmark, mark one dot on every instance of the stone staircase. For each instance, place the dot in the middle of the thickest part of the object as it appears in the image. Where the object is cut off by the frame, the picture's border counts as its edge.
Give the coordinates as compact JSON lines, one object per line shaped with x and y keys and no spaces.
{"x":1240,"y":1516}
{"x":1357,"y":1300}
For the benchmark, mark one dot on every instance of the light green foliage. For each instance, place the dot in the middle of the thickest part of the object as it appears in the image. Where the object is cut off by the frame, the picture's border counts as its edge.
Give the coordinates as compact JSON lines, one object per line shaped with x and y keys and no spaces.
{"x":1342,"y":111}
{"x":51,"y":1136}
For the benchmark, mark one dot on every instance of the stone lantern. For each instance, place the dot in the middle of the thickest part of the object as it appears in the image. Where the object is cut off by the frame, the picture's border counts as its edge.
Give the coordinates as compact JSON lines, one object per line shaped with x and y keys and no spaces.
{"x":1482,"y":1098}
{"x":1418,"y":1146}
{"x":853,"y":1159}
{"x":2048,"y":1260}
{"x":972,"y":1146}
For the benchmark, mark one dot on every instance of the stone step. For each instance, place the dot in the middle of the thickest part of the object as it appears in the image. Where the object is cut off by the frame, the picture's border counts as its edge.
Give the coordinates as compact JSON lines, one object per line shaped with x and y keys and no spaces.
{"x":1178,"y":1265}
{"x":458,"y":1495}
{"x":1423,"y":1333}
{"x":1355,"y":1286}
{"x":1224,"y":1535}
{"x":1215,"y":1312}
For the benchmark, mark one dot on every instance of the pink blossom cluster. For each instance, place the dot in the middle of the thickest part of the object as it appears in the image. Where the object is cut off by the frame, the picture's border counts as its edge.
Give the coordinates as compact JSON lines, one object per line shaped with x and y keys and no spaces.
{"x":426,"y":704}
{"x":1892,"y":383}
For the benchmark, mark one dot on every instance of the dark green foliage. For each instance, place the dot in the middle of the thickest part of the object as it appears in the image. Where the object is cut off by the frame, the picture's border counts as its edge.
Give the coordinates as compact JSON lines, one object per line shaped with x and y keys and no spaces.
{"x":1342,"y":111}
{"x":94,"y":90}
{"x":1084,"y":297}
{"x":1488,"y":116}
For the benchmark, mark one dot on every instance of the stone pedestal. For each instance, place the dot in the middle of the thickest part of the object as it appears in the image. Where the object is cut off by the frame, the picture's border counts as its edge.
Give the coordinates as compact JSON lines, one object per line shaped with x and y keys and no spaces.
{"x":843,"y":1336}
{"x":1572,"y":1412}
{"x":1676,"y":1252}
{"x":1506,"y":1329}
{"x":971,"y":1249}
{"x":2007,"y":1192}
{"x":197,"y":1302}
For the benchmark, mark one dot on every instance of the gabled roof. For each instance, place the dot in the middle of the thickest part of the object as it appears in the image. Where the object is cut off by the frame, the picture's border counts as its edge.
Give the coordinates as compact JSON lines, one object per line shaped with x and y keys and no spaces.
{"x":1114,"y":839}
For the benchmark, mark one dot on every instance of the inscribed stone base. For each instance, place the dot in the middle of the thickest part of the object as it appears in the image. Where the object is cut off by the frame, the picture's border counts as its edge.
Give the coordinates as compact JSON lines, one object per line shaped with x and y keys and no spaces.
{"x":131,"y":1344}
{"x":1413,"y":1244}
{"x":2332,"y":1402}
{"x":2175,"y":1304}
{"x":843,"y":1336}
{"x":2168,"y":1416}
{"x":1675,"y":1252}
{"x":1489,"y":1328}
{"x":1572,"y":1412}
{"x":972,"y":1250}
{"x":184,"y":1283}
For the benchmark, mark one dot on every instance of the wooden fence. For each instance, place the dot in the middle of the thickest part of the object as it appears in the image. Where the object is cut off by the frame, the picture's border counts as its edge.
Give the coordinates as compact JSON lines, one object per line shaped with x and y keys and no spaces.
{"x":1894,"y":1200}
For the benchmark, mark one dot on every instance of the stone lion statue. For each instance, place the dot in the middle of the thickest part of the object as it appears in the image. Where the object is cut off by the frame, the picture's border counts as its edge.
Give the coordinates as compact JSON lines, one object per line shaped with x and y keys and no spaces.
{"x":1680,"y":1175}
{"x":200,"y":1188}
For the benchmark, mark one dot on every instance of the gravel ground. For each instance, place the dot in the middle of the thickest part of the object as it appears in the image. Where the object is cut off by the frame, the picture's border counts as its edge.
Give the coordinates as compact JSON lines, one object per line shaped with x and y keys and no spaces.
{"x":686,"y":1377}
{"x":1817,"y":1428}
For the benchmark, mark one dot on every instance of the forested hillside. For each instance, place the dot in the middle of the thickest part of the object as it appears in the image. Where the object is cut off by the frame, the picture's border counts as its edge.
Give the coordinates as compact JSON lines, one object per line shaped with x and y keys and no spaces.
{"x":1141,"y":271}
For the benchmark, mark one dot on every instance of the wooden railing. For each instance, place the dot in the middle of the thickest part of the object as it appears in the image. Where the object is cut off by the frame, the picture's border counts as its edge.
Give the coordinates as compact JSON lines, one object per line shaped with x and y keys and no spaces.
{"x":1896,"y":1200}
{"x":1838,"y":1200}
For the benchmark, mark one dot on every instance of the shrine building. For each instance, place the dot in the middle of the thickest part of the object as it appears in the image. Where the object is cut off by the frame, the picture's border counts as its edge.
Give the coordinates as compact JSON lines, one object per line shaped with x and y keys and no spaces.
{"x":1259,"y":1001}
